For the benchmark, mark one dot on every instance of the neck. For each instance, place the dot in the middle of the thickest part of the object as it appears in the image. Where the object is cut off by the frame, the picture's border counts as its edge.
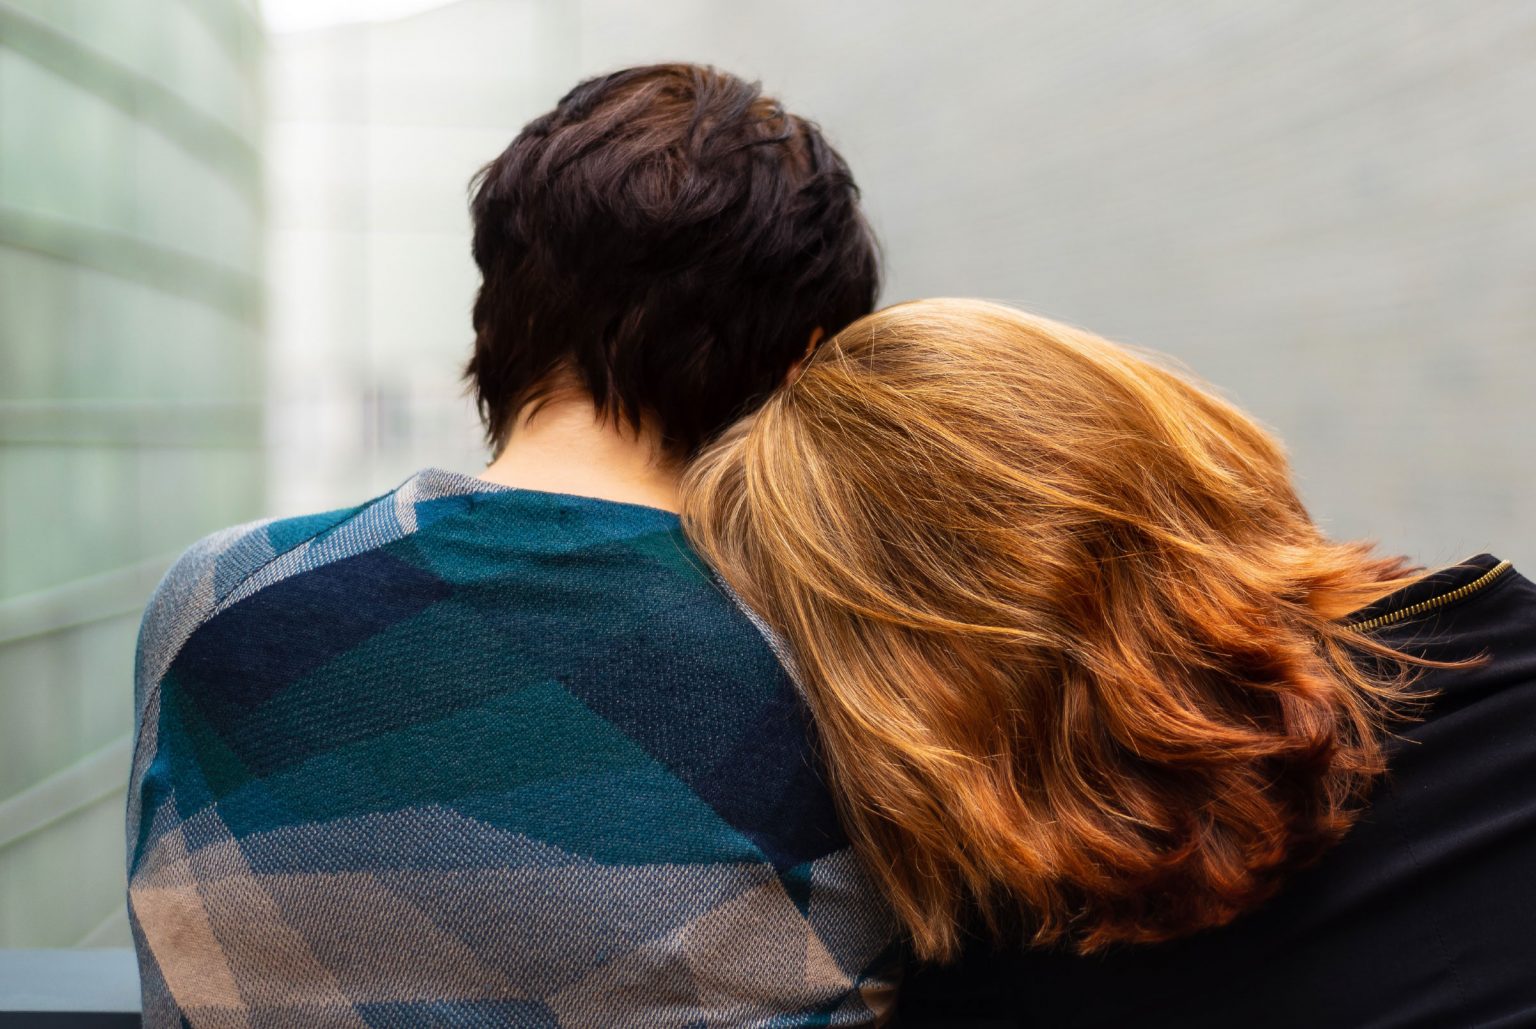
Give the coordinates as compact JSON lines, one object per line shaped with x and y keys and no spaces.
{"x":566,"y":448}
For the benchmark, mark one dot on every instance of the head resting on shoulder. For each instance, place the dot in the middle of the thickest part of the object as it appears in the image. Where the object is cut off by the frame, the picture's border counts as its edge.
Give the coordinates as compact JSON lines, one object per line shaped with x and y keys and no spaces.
{"x":1071,"y":639}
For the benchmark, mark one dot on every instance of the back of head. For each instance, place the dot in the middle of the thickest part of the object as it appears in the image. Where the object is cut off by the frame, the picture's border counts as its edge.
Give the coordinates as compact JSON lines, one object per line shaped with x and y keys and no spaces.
{"x":667,"y":239}
{"x":1069,"y":634}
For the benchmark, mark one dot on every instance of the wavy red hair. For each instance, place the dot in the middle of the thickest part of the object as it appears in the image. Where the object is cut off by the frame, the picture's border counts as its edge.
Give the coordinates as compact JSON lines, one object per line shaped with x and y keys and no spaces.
{"x":1071,"y":640}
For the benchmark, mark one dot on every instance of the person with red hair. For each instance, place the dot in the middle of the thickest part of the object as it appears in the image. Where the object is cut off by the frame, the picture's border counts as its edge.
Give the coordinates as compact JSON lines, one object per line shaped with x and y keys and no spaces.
{"x":1123,"y":736}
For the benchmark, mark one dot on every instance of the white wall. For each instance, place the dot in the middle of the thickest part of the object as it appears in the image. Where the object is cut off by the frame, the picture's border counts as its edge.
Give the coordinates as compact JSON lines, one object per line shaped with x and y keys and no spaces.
{"x":1327,"y":209}
{"x":375,"y":131}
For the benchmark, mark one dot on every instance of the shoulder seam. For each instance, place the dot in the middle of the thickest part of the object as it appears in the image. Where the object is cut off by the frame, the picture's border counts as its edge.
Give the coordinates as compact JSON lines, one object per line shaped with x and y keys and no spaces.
{"x":248,"y":576}
{"x":153,"y":689}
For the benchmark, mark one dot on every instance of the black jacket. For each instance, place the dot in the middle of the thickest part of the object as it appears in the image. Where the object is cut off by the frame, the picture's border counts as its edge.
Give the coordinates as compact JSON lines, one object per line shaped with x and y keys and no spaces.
{"x":1425,"y":915}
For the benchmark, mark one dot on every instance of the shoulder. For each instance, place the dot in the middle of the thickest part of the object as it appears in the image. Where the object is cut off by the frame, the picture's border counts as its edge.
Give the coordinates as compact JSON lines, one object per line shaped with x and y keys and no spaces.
{"x":208,"y":573}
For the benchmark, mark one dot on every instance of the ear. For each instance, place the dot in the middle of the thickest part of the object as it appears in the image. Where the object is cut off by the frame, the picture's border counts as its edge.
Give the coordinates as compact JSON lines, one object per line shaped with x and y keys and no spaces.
{"x":810,"y":348}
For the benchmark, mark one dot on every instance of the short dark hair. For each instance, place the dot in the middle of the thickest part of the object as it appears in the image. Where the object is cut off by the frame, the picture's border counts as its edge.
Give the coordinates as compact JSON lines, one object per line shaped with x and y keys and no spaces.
{"x":671,"y":238}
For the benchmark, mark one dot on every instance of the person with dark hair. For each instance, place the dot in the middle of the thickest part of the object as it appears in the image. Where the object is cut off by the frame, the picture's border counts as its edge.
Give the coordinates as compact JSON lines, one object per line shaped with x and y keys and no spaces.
{"x":665,"y":243}
{"x":497,"y":750}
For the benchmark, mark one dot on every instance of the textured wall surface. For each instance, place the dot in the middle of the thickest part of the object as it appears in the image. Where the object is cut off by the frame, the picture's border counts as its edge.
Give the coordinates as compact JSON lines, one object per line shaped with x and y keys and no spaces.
{"x":375,"y":132}
{"x":1328,"y":210}
{"x":130,"y":390}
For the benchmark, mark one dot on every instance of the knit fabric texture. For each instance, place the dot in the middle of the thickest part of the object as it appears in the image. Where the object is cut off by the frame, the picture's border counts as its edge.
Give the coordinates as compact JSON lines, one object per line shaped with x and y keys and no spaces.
{"x":467,"y":755}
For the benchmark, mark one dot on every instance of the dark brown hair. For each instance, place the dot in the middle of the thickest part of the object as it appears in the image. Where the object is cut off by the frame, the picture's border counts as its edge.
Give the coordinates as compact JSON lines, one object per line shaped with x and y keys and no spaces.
{"x":668,"y":239}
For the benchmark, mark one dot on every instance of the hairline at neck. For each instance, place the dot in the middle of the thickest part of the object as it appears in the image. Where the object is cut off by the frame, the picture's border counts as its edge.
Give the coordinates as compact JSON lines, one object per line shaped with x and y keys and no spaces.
{"x":565,"y":445}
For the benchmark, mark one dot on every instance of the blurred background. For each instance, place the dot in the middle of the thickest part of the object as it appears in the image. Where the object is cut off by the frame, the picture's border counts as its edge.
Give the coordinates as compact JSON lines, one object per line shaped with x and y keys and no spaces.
{"x":235,"y":275}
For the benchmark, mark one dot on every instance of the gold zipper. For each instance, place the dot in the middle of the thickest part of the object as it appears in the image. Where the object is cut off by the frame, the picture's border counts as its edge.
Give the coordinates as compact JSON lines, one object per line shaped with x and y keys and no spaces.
{"x":1433,"y":602}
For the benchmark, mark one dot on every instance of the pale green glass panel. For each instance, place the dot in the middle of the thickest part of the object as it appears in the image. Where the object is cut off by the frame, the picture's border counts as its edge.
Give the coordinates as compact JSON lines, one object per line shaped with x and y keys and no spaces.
{"x":69,"y":155}
{"x":35,"y":300}
{"x":81,"y":334}
{"x":104,"y":178}
{"x":183,"y":205}
{"x":195,"y":65}
{"x":117,"y":31}
{"x":71,"y":512}
{"x":62,"y":512}
{"x":65,"y":695}
{"x":59,"y":883}
{"x":163,"y":41}
{"x":186,"y":494}
{"x":56,"y":141}
{"x":129,"y":341}
{"x":35,"y":736}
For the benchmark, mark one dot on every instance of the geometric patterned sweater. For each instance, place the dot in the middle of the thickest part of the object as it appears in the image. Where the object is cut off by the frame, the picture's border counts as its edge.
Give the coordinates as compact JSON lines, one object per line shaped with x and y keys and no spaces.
{"x":467,"y":755}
